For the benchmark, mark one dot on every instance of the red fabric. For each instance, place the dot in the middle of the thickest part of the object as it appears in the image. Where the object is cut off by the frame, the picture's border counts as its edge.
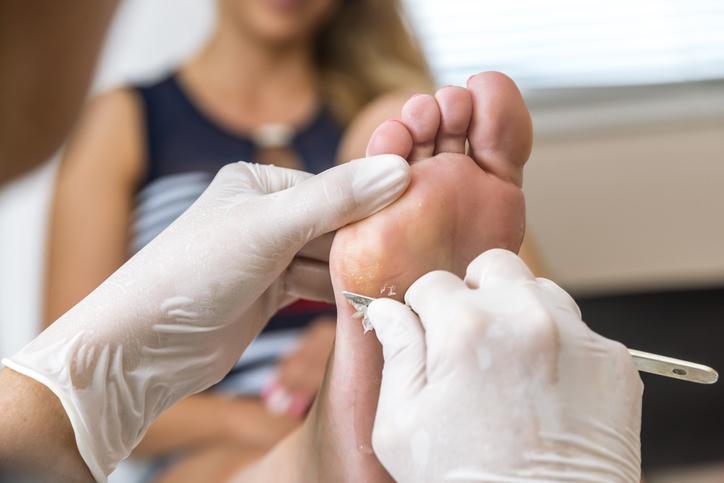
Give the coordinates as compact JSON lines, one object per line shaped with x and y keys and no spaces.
{"x":306,"y":307}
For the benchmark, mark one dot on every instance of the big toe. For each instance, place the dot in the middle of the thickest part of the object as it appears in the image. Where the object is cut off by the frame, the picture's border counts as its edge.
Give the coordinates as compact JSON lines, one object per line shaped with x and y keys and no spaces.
{"x":500,"y":135}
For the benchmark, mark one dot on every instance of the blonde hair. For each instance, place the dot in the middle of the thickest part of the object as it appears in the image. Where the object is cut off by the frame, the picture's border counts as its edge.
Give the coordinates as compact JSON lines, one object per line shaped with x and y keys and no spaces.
{"x":366,"y":50}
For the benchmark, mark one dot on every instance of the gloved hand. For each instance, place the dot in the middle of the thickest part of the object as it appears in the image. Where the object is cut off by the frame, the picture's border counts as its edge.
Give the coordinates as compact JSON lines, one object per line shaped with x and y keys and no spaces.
{"x":173,"y":320}
{"x":499,"y":380}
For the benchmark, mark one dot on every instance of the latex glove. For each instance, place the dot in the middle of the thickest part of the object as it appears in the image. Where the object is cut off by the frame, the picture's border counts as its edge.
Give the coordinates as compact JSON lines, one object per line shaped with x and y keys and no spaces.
{"x":300,"y":373}
{"x":500,"y":380}
{"x":173,"y":320}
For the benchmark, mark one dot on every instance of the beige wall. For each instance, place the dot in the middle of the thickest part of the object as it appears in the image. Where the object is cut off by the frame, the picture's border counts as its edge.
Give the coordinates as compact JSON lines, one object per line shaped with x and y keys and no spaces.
{"x":626,"y":191}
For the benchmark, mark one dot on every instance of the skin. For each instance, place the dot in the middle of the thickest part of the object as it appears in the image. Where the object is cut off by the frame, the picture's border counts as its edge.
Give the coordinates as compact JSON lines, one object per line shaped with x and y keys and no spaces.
{"x":256,"y":69}
{"x":457,"y":205}
{"x":63,"y":45}
{"x":64,"y":51}
{"x":38,"y":438}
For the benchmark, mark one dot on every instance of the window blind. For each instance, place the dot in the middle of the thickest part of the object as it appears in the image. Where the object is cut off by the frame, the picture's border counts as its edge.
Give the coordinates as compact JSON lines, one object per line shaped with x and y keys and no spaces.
{"x":567,"y":43}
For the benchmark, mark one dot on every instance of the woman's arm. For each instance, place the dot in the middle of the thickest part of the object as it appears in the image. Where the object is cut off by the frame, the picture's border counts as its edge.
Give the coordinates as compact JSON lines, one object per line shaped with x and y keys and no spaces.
{"x":208,"y":419}
{"x":355,"y":139}
{"x":93,"y":201}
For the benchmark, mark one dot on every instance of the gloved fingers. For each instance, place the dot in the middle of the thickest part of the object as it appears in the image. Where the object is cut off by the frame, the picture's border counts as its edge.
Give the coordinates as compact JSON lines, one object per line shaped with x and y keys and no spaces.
{"x":308,"y":275}
{"x":497,"y":265}
{"x":318,"y":249}
{"x":403,"y":347}
{"x":431,"y":298}
{"x":337,"y":197}
{"x":560,"y":297}
{"x":270,"y":178}
{"x":309,"y":279}
{"x":250,"y":179}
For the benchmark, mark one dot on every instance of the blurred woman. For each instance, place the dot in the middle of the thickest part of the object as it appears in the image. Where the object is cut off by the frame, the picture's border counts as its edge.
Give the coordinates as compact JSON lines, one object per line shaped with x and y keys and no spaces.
{"x":296,"y":83}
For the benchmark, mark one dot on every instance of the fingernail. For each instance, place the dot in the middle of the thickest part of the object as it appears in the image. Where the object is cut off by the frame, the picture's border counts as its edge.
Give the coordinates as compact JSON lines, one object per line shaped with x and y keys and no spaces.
{"x":380,"y":179}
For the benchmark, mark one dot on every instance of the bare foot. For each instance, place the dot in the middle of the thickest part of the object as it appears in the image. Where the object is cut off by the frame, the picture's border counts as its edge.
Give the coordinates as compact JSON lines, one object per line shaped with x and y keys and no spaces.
{"x":457,"y":206}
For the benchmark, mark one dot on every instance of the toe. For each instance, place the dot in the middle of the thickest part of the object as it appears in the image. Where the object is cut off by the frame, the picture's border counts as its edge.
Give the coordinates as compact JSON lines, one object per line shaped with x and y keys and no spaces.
{"x":500,"y":134}
{"x":390,"y":137}
{"x":456,"y":107}
{"x":421,"y":115}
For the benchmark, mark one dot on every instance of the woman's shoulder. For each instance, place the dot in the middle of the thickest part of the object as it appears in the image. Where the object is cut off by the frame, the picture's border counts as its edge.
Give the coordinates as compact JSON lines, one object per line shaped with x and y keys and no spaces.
{"x":110,"y":127}
{"x":127,"y":98}
{"x":118,"y":101}
{"x":166,"y":81}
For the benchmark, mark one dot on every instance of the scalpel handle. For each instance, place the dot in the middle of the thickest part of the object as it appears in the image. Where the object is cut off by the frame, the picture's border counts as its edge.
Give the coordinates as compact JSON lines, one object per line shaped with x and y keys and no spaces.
{"x":645,"y":361}
{"x":675,"y":368}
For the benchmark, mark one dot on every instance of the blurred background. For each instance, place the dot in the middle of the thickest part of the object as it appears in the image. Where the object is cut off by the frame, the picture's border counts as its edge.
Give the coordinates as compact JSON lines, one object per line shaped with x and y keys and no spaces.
{"x":625,"y":186}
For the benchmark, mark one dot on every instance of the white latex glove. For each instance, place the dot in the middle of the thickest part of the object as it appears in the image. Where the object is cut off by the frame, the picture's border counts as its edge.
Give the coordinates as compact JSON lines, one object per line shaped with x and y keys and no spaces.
{"x":173,"y":320}
{"x":500,"y":380}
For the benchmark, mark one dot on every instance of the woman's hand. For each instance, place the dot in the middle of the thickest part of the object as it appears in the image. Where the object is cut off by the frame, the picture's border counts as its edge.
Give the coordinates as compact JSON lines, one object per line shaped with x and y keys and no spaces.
{"x":300,"y":373}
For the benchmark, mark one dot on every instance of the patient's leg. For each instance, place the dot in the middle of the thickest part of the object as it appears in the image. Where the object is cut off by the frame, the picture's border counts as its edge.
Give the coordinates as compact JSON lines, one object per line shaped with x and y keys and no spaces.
{"x":457,"y":206}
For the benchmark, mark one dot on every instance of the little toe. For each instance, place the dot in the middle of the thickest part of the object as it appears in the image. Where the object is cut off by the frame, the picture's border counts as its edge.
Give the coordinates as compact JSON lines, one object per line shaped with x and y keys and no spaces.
{"x":390,"y":137}
{"x":421,"y":115}
{"x":500,"y":136}
{"x":456,"y":108}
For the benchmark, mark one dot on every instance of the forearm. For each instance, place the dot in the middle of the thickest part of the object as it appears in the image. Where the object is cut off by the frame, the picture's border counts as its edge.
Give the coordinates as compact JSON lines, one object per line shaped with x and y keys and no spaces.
{"x":208,"y":419}
{"x":357,"y":135}
{"x":195,"y":421}
{"x":37,"y":437}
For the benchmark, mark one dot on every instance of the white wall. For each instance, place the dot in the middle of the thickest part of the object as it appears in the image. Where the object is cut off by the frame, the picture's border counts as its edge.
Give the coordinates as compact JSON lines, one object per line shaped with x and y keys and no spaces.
{"x":23,"y":211}
{"x":625,"y":190}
